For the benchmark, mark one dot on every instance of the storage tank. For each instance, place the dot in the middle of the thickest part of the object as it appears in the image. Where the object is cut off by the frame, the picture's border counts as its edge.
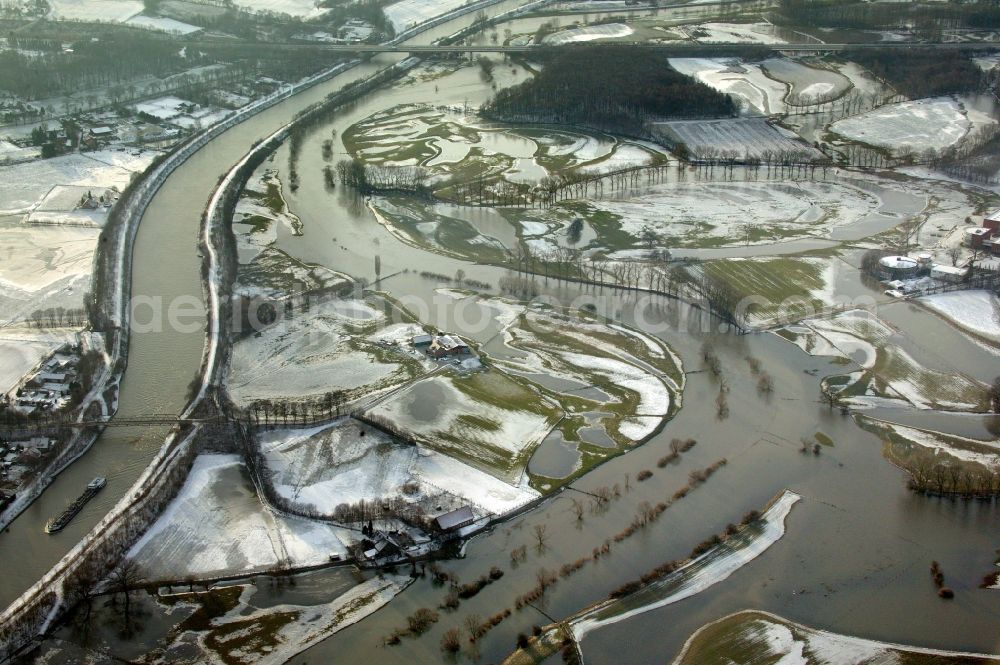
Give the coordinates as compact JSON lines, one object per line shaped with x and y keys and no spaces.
{"x":898,"y":267}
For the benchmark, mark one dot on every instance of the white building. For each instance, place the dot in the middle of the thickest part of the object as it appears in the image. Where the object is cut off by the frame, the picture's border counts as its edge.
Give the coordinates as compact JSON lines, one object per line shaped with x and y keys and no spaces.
{"x":949,"y":273}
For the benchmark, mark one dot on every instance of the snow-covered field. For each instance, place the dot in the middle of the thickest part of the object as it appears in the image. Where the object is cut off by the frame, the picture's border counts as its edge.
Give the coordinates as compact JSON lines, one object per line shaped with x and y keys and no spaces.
{"x":217,"y":526}
{"x":444,"y":412}
{"x":327,"y":466}
{"x":967,"y":450}
{"x":256,"y":630}
{"x":44,"y":266}
{"x":106,"y":11}
{"x":163,"y":24}
{"x":22,"y":186}
{"x":693,"y":213}
{"x":761,"y":637}
{"x":409,"y":13}
{"x":316,"y":351}
{"x":890,"y":374}
{"x":744,"y":33}
{"x":746,"y":81}
{"x":916,"y":126}
{"x":304,"y":9}
{"x":715,"y":566}
{"x":21,"y":349}
{"x":625,"y":155}
{"x":975,"y":311}
{"x":753,"y":137}
{"x":589,"y":33}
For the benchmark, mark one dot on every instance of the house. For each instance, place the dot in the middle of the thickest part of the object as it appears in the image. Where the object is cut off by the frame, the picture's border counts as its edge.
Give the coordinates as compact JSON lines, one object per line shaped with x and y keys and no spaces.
{"x":39,"y":443}
{"x":949,"y":273}
{"x":421,"y":341}
{"x":50,"y":377}
{"x":445,"y":346}
{"x":975,"y":236}
{"x":456,"y":519}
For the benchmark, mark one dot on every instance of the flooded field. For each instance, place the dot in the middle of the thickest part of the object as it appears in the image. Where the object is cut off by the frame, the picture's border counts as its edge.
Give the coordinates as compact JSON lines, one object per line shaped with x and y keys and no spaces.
{"x":612,"y":430}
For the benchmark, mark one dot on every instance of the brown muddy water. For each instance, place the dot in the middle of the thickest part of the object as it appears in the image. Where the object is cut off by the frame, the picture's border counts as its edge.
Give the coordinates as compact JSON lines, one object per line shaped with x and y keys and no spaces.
{"x":856,"y":554}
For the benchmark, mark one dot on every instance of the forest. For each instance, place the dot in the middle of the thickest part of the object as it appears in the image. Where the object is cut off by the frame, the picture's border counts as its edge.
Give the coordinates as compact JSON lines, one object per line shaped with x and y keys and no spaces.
{"x":925,"y":17}
{"x":612,"y":88}
{"x":118,"y":57}
{"x":921,"y":72}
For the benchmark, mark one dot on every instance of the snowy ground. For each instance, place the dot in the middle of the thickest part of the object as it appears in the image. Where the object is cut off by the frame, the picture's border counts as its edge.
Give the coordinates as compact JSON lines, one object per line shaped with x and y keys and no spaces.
{"x":752,"y":137}
{"x":915,"y":126}
{"x":106,"y":11}
{"x":409,"y":13}
{"x":973,"y":451}
{"x":890,"y":374}
{"x":216,"y":526}
{"x":163,"y":24}
{"x":486,"y":418}
{"x":710,"y":213}
{"x":22,"y":186}
{"x":761,"y":637}
{"x":21,"y":349}
{"x":715,"y":566}
{"x":313,"y":352}
{"x":975,"y":311}
{"x":743,"y":33}
{"x":746,"y":81}
{"x":589,"y":33}
{"x":44,"y":266}
{"x":326,"y":466}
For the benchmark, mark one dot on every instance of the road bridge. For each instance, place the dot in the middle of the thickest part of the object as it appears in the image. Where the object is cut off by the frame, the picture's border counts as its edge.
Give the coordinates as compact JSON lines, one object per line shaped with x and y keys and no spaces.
{"x":684,"y":48}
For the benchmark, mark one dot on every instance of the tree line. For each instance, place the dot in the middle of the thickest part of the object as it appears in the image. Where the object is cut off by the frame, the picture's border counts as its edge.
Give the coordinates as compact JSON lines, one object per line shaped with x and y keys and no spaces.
{"x":927,"y":18}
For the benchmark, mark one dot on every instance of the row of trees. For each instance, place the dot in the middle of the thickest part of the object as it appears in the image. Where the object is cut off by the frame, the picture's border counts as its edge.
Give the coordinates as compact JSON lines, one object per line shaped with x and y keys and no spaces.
{"x":58,"y":317}
{"x":269,"y":412}
{"x":370,"y":178}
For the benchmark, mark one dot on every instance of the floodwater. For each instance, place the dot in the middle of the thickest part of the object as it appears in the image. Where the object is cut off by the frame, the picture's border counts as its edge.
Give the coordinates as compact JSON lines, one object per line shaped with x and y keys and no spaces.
{"x":858,"y":546}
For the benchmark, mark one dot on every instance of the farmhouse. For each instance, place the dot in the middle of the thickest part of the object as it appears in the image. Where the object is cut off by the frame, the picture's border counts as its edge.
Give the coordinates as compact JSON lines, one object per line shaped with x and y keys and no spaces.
{"x":445,"y":346}
{"x":986,"y":236}
{"x":455,"y":519}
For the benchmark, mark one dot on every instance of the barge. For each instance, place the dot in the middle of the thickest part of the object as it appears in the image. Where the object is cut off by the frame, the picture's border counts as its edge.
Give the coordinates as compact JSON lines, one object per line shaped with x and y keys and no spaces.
{"x":58,"y":523}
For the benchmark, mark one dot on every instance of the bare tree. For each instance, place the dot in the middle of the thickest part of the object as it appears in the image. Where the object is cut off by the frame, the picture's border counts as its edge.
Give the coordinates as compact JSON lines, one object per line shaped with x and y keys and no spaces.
{"x":540,"y":535}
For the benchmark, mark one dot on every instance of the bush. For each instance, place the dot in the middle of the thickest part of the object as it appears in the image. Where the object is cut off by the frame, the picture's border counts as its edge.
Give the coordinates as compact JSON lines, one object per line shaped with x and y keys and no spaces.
{"x":450,"y":641}
{"x":522,"y":641}
{"x":626,"y":589}
{"x":450,"y":601}
{"x":667,"y":459}
{"x":645,"y":474}
{"x":946,"y":592}
{"x":421,"y":620}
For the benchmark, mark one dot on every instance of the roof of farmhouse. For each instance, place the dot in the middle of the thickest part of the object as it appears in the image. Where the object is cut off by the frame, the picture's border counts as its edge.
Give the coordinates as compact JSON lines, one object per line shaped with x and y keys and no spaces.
{"x":455,"y":518}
